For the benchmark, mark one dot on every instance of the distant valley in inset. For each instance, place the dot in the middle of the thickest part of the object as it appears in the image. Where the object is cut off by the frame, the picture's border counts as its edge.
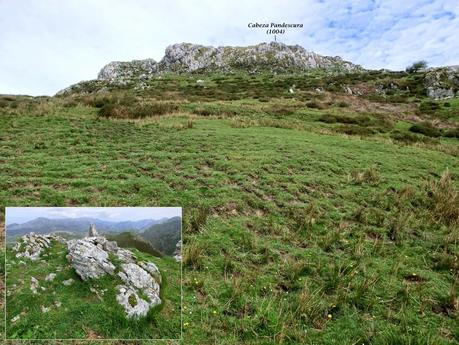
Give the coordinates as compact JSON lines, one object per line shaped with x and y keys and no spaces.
{"x":160,"y":234}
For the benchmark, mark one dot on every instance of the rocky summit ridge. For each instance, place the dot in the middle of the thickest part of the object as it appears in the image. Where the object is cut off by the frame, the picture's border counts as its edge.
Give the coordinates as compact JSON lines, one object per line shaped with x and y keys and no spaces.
{"x":138,"y":282}
{"x":273,"y":57}
{"x":188,"y":58}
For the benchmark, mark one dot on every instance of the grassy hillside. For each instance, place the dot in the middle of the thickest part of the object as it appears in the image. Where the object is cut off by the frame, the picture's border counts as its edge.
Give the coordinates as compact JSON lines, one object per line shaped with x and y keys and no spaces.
{"x":164,"y":236}
{"x":77,"y":311}
{"x":133,"y":240}
{"x":316,"y":217}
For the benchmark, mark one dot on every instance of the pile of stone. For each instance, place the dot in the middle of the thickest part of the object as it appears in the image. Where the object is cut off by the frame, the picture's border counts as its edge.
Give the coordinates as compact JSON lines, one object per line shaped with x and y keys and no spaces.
{"x":30,"y":246}
{"x":92,"y":257}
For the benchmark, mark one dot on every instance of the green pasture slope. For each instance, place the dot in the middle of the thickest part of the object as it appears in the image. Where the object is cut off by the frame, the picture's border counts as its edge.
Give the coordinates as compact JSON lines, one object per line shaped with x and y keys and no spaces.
{"x":309,"y":218}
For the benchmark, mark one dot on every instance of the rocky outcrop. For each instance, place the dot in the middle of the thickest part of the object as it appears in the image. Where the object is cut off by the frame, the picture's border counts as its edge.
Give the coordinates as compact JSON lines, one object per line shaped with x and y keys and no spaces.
{"x":442,"y":83}
{"x":137,"y":281}
{"x":274,"y":56}
{"x":188,"y":58}
{"x":93,"y":257}
{"x":30,"y":246}
{"x":34,"y":285}
{"x":117,"y":70}
{"x":178,"y":251}
{"x":88,"y":257}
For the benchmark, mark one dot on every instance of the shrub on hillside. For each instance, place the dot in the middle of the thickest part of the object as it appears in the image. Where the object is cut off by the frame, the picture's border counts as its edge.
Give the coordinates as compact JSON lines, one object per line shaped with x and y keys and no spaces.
{"x":342,"y":104}
{"x":428,"y":107}
{"x":138,"y":111}
{"x":452,"y":133}
{"x":355,"y":130}
{"x":355,"y":120}
{"x":426,"y":129}
{"x":328,"y":118}
{"x":315,"y":105}
{"x":410,"y":138}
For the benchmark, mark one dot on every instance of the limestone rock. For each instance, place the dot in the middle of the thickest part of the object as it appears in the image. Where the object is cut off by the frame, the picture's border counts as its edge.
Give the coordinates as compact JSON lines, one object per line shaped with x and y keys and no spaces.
{"x":117,"y":70}
{"x":274,"y":56}
{"x":30,"y":246}
{"x":34,"y":285}
{"x":439,"y":93}
{"x":88,"y":258}
{"x":186,"y":57}
{"x":68,"y":282}
{"x":132,"y":303}
{"x":178,"y":251}
{"x":151,"y":268}
{"x":50,"y":277}
{"x":137,"y":279}
{"x":442,"y":83}
{"x":125,"y":255}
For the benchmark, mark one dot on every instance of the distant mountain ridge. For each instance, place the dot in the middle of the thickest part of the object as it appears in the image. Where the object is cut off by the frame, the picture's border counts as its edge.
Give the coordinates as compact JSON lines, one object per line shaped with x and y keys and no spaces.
{"x":44,"y":225}
{"x":165,"y":235}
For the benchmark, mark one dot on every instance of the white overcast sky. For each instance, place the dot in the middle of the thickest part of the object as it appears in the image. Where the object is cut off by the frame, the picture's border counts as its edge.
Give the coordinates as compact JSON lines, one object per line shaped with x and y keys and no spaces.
{"x":46,"y":45}
{"x":24,"y":214}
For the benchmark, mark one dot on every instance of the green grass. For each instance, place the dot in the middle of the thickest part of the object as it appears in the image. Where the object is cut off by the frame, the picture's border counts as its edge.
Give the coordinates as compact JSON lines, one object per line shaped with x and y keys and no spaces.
{"x":296,"y":231}
{"x":84,"y":314}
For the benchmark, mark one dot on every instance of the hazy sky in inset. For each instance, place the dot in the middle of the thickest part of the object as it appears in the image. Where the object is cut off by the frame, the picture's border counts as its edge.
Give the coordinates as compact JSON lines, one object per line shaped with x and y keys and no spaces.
{"x":24,"y":214}
{"x":46,"y":45}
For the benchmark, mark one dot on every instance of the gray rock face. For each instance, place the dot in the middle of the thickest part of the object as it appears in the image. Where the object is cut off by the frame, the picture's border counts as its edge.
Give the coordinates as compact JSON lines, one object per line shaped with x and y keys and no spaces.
{"x":442,"y":83}
{"x":187,"y":57}
{"x":30,"y":246}
{"x":151,"y":268}
{"x":439,"y":93}
{"x":128,"y":70}
{"x":278,"y":57}
{"x":88,"y":258}
{"x":68,"y":282}
{"x":178,"y":251}
{"x":50,"y":277}
{"x":138,"y":280}
{"x":132,"y":303}
{"x":34,"y":285}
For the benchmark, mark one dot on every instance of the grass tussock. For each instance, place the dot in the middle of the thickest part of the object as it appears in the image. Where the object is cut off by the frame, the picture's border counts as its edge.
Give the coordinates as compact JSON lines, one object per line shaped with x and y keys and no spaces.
{"x":193,"y":255}
{"x":137,"y":111}
{"x":370,"y":176}
{"x":444,"y":196}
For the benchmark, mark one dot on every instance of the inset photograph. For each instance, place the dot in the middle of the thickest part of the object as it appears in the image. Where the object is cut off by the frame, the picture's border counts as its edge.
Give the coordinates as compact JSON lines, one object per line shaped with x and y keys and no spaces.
{"x":93,"y":272}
